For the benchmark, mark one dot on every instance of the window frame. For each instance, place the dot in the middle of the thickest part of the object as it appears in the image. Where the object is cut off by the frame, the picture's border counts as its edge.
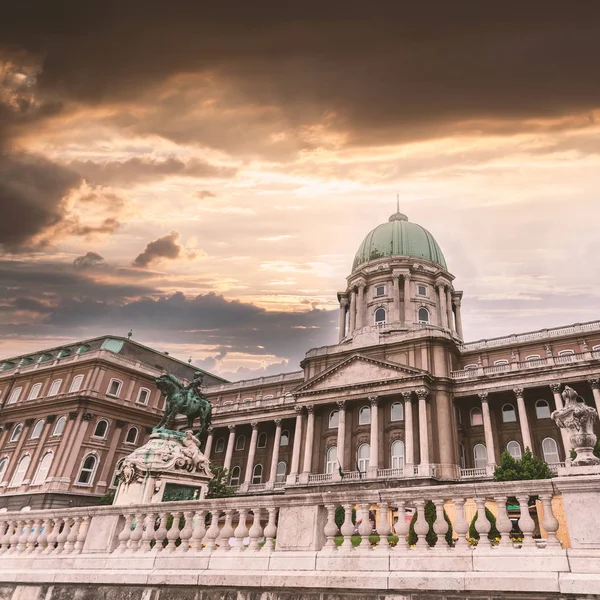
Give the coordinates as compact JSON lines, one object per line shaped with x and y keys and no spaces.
{"x":92,"y":471}
{"x":14,"y":436}
{"x":62,"y":419}
{"x":138,"y":401}
{"x":137,"y":433}
{"x":120,"y":387}
{"x":400,"y":405}
{"x":484,"y":458}
{"x":264,"y":437}
{"x":420,"y":319}
{"x":548,"y":438}
{"x":37,"y":387}
{"x":281,"y":477}
{"x":512,"y":409}
{"x":101,"y":437}
{"x":363,"y":461}
{"x":13,"y":479}
{"x":366,"y":409}
{"x":233,"y":476}
{"x":58,"y":384}
{"x":518,"y":445}
{"x":39,"y":422}
{"x":258,"y":476}
{"x":475,"y":410}
{"x":377,"y":287}
{"x":419,"y":287}
{"x":285,"y":435}
{"x":34,"y":480}
{"x":16,"y":394}
{"x":545,"y":406}
{"x":220,"y":448}
{"x":78,"y":378}
{"x":4,"y":462}
{"x":331,"y":463}
{"x":394,"y":463}
{"x":240,"y":443}
{"x":334,"y":415}
{"x":381,"y":321}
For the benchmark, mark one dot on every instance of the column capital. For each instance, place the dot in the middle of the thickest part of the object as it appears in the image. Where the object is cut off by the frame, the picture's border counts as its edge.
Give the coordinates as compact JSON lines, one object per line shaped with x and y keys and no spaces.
{"x":483,"y":396}
{"x":519,"y":391}
{"x":343,"y":301}
{"x":396,"y":276}
{"x":555,"y":387}
{"x":277,"y":422}
{"x":254,"y":425}
{"x":406,"y":276}
{"x":373,"y":400}
{"x":210,"y":429}
{"x":310,"y":408}
{"x":231,"y":428}
{"x":299,"y":409}
{"x":341,"y":404}
{"x":422,"y":394}
{"x":407,"y":396}
{"x":594,"y":384}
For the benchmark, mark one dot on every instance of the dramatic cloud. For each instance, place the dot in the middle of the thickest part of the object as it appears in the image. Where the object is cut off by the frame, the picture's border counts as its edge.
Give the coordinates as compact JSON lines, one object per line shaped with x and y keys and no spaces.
{"x":166,"y":247}
{"x":90,"y":259}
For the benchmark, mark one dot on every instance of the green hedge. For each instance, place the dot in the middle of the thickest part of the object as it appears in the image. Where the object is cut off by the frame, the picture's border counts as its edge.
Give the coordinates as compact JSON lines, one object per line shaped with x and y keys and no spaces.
{"x":430,"y":516}
{"x":493,"y":532}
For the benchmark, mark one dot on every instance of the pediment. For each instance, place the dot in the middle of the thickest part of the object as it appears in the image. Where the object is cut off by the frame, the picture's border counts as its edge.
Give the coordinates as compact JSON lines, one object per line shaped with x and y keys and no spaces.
{"x":358,"y":370}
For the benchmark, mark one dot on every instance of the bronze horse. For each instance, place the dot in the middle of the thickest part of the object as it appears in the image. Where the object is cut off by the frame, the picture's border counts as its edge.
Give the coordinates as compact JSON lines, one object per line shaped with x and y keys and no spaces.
{"x":184,"y":400}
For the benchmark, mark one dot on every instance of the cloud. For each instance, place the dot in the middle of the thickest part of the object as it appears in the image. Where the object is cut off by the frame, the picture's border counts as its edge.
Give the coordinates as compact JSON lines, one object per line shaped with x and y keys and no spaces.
{"x":205,"y":194}
{"x":90,"y":259}
{"x":166,"y":247}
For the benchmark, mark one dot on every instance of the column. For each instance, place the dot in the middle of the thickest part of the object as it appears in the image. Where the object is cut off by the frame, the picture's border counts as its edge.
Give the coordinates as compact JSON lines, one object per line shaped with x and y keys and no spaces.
{"x":352,"y":324}
{"x":487,"y":429}
{"x":343,"y":308}
{"x":360,"y":306}
{"x":251,"y":454}
{"x":595,"y":385}
{"x":449,"y":309}
{"x":423,"y":432}
{"x":558,"y":401}
{"x":408,"y":311}
{"x":409,"y":439}
{"x":209,"y":441}
{"x":275,"y":456}
{"x":296,"y":449}
{"x":523,"y":420}
{"x":229,"y":451}
{"x":341,"y":436}
{"x":374,"y":441}
{"x":308,"y":445}
{"x":396,"y":298}
{"x":442,"y":307}
{"x":459,"y":326}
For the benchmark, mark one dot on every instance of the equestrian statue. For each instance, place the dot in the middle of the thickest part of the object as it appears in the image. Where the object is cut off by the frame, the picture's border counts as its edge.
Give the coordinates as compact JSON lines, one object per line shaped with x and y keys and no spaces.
{"x":185,"y":400}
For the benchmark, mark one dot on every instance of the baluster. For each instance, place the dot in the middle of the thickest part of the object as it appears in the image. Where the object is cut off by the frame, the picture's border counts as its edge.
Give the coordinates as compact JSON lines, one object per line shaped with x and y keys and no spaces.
{"x":526,"y":523}
{"x":25,"y":531}
{"x":34,"y":536}
{"x":125,"y":534}
{"x":256,"y":531}
{"x":148,"y":533}
{"x":14,"y":538}
{"x":43,"y":537}
{"x":461,"y":527}
{"x":63,"y":535}
{"x":364,"y":529}
{"x":82,"y":535}
{"x":173,"y":533}
{"x":135,"y":536}
{"x":503,"y":523}
{"x":161,"y":533}
{"x":550,"y":522}
{"x":227,"y":531}
{"x":72,"y":537}
{"x":213,"y":531}
{"x":186,"y":531}
{"x":5,"y":540}
{"x":199,"y":531}
{"x":440,"y":525}
{"x":482,"y":525}
{"x":421,"y":526}
{"x":401,"y":527}
{"x":53,"y":535}
{"x":384,"y":528}
{"x":347,"y":529}
{"x":330,"y":529}
{"x":271,"y":530}
{"x":241,"y":531}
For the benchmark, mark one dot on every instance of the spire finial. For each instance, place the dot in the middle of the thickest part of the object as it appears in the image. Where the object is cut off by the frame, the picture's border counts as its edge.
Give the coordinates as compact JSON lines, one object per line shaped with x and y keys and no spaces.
{"x":397,"y":202}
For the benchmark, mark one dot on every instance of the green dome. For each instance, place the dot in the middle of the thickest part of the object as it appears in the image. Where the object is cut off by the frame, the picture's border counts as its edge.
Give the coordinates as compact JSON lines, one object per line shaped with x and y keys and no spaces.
{"x":399,"y":237}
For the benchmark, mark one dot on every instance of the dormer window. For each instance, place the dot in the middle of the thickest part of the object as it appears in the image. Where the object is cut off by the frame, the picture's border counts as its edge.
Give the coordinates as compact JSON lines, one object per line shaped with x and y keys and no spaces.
{"x":379,"y":291}
{"x":421,"y":290}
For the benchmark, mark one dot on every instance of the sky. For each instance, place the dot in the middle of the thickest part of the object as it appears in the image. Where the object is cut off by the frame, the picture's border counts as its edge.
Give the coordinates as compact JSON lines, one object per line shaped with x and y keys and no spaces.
{"x":203,"y":173}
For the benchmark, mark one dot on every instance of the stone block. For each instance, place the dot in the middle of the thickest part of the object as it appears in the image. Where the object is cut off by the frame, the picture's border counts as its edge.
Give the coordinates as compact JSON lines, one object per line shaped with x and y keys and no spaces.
{"x":582,"y":584}
{"x":231,"y":578}
{"x":244,"y":561}
{"x":356,"y":581}
{"x":182,"y":562}
{"x":353,"y":562}
{"x":294,"y":579}
{"x":431,"y":560}
{"x":448,"y":582}
{"x":130,"y":562}
{"x":292,"y":561}
{"x":102,"y":536}
{"x":583,"y":561}
{"x":511,"y":582}
{"x":514,"y":560}
{"x":28,"y":592}
{"x":167,"y":577}
{"x":301,"y":528}
{"x":175,"y":592}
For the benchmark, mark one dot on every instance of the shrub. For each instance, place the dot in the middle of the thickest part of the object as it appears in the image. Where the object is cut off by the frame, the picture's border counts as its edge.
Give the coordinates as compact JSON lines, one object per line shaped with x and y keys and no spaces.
{"x":217,"y":486}
{"x":431,"y":537}
{"x":339,"y":516}
{"x":107,"y":499}
{"x":493,"y":532}
{"x":529,"y":467}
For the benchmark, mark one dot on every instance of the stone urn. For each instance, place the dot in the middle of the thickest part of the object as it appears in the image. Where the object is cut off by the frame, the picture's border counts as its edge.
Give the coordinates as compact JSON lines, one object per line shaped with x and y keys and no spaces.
{"x":578,"y":420}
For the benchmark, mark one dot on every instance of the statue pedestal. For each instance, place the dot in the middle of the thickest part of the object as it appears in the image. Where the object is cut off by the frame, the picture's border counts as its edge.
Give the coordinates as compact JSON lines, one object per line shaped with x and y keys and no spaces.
{"x":167,"y":468}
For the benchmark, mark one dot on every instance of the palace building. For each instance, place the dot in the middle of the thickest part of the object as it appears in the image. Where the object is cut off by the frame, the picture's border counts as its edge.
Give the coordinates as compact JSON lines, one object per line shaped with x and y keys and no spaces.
{"x":401,"y":399}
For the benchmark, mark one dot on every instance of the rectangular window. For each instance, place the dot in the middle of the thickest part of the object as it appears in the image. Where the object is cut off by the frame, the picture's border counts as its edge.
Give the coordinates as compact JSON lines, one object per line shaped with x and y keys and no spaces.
{"x":114,"y":388}
{"x":143,"y":396}
{"x":379,"y":291}
{"x":421,"y":290}
{"x":55,"y":387}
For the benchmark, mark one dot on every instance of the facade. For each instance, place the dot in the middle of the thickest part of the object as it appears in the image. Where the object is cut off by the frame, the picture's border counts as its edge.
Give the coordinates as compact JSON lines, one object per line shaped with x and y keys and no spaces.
{"x":400,"y":400}
{"x":70,"y":414}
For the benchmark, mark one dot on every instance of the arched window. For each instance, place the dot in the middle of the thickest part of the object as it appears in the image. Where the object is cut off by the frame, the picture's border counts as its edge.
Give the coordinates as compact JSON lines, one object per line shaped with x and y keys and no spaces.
{"x":509,"y":415}
{"x":331,"y":460}
{"x":476,"y":417}
{"x":550,"y":450}
{"x":143,"y":396}
{"x":514,"y":449}
{"x":281,"y":471}
{"x":480,"y":456}
{"x":15,"y":395}
{"x":334,"y":419}
{"x":501,"y":363}
{"x":423,"y":315}
{"x":397,"y":412}
{"x":380,"y":316}
{"x":34,"y":392}
{"x":101,"y":428}
{"x":3,"y":465}
{"x":132,"y":435}
{"x":16,"y":433}
{"x":55,"y":387}
{"x":114,"y":388}
{"x":285,"y":438}
{"x":42,"y":470}
{"x":20,"y":471}
{"x":566,"y":355}
{"x":240,"y":442}
{"x":364,"y":454}
{"x":37,"y":430}
{"x":60,"y":426}
{"x":364,"y":415}
{"x":472,"y":367}
{"x":76,"y":384}
{"x":262,"y":440}
{"x":88,"y":470}
{"x":235,"y":476}
{"x":542,"y":409}
{"x":397,"y":454}
{"x":220,"y":445}
{"x":257,"y":474}
{"x":534,"y":360}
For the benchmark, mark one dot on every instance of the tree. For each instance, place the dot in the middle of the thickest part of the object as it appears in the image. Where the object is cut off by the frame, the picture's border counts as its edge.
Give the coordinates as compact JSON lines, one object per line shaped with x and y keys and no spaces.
{"x":493,"y":533}
{"x":217,"y":486}
{"x":107,"y":499}
{"x":340,"y":516}
{"x":430,"y":516}
{"x":528,"y":467}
